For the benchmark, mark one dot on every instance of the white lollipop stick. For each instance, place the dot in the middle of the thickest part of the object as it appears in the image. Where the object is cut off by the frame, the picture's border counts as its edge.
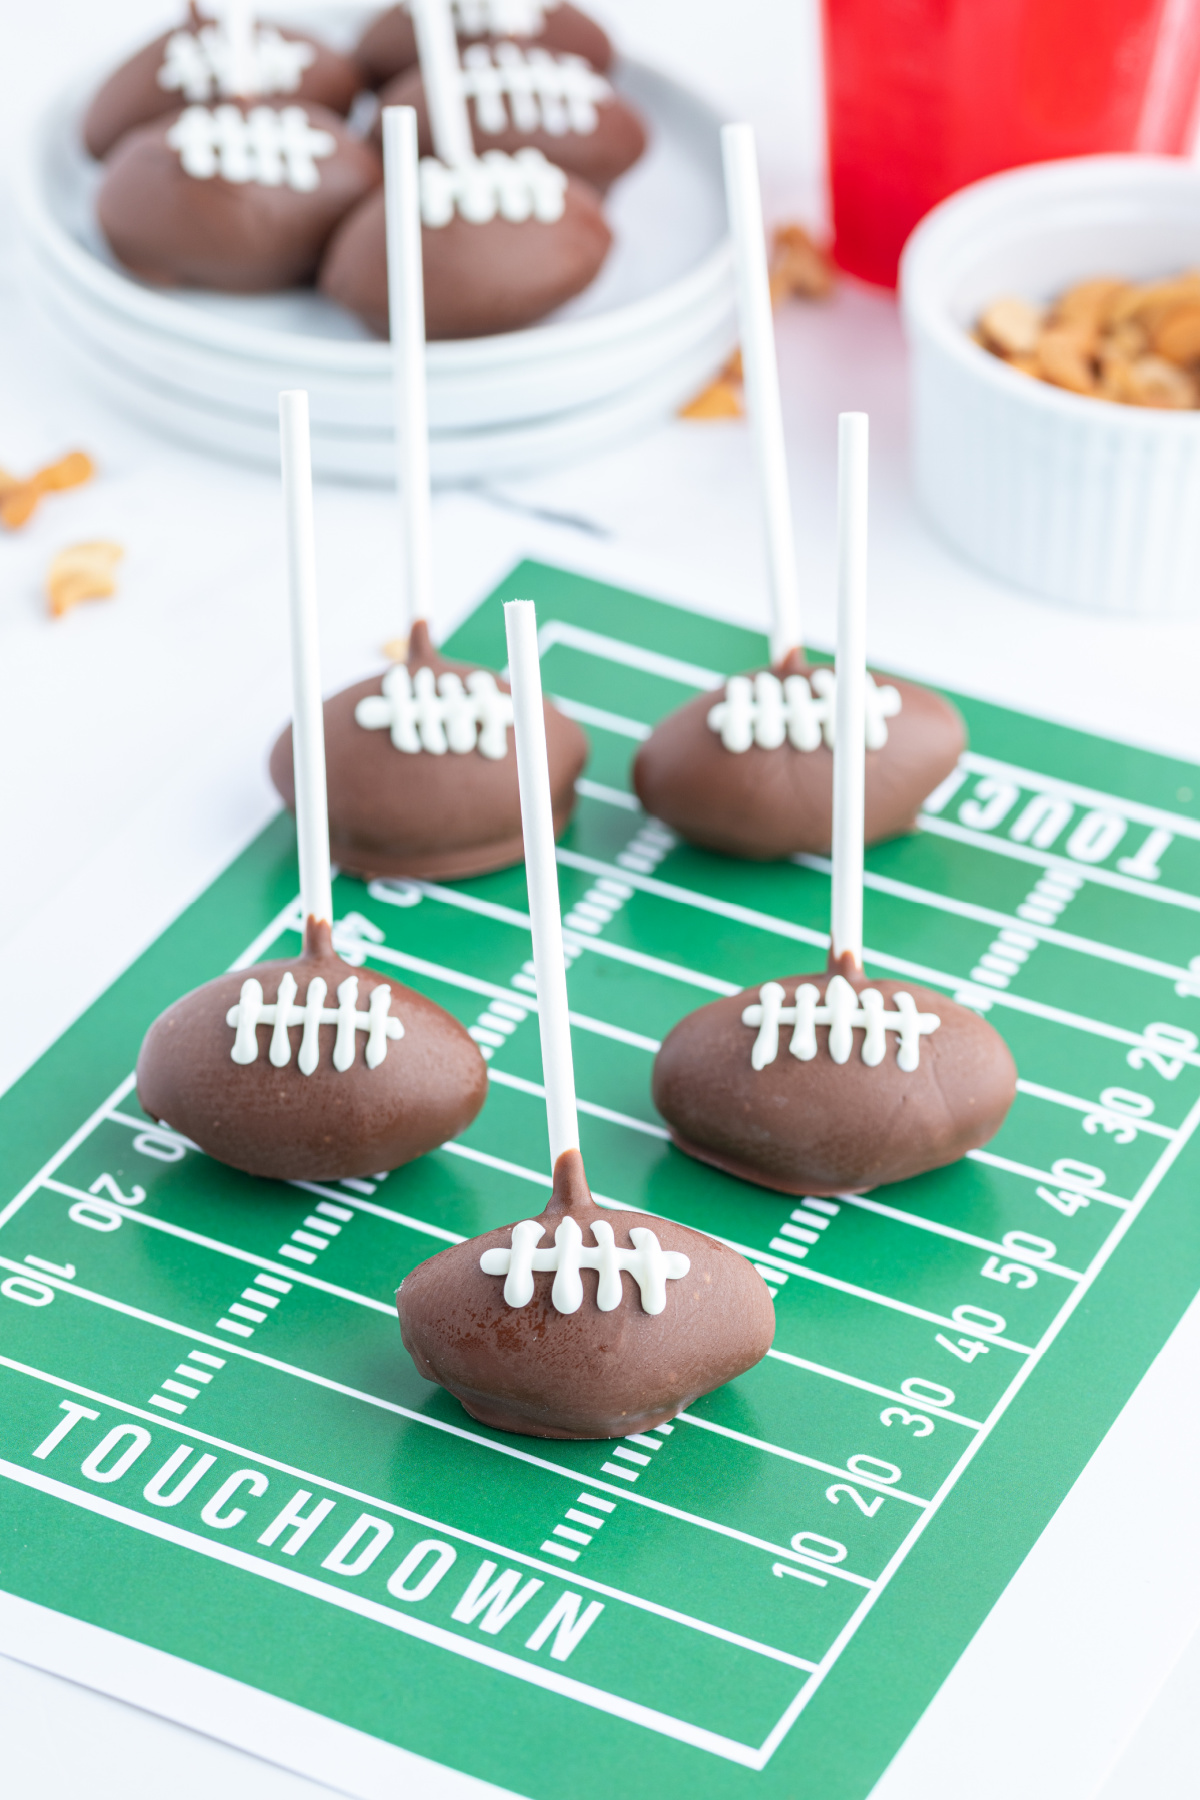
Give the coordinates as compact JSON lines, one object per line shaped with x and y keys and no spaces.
{"x":406,"y":315}
{"x":541,"y":874}
{"x":308,"y":720}
{"x":243,"y":59}
{"x":437,"y":48}
{"x":762,"y":381}
{"x":850,"y":751}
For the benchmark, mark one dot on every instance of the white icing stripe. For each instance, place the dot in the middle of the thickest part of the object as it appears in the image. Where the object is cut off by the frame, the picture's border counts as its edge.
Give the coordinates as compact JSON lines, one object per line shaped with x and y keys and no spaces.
{"x":273,"y":147}
{"x":533,"y":89}
{"x":844,"y":1011}
{"x":200,"y":65}
{"x":251,"y":1012}
{"x":422,"y":715}
{"x":650,"y":1265}
{"x":518,"y":188}
{"x":766,"y":711}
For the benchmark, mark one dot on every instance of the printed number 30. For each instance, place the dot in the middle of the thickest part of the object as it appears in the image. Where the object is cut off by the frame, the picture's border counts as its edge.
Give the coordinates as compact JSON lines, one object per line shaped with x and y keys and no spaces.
{"x":922,"y":1427}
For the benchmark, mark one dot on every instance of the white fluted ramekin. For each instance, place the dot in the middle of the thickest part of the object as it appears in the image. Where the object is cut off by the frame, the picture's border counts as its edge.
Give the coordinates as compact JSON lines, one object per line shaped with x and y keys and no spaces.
{"x":1085,"y":502}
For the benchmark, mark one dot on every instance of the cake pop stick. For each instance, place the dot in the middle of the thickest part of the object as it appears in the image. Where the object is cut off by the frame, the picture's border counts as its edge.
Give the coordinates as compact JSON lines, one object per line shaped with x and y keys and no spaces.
{"x":289,"y":1069}
{"x":243,"y":54}
{"x":827,"y":1083}
{"x":308,"y":723}
{"x":757,"y":329}
{"x":850,"y":757}
{"x":406,"y":308}
{"x":541,"y":872}
{"x":511,"y":1322}
{"x":437,"y":48}
{"x":422,"y":781}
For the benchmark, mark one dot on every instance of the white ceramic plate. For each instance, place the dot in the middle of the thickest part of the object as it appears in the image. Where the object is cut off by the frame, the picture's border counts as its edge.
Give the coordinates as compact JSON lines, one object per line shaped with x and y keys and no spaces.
{"x":657,"y":320}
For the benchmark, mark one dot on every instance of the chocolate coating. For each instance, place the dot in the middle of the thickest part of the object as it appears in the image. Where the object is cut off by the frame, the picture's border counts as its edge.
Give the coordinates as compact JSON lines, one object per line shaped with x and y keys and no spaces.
{"x":318,"y":1127}
{"x":132,"y":96}
{"x":175,"y":229}
{"x":478,"y":279}
{"x":762,"y":804}
{"x":587,"y":1374}
{"x":822,"y":1127}
{"x":597,"y":157}
{"x":389,"y":44}
{"x":437,"y":817}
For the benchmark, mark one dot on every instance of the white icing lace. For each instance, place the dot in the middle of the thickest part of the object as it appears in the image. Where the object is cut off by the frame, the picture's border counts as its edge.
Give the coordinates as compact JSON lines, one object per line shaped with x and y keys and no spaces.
{"x":250,"y":1013}
{"x":520,"y":187}
{"x":423,"y":716}
{"x":844,"y":1011}
{"x":650,"y":1265}
{"x":199,"y":65}
{"x":271,"y":146}
{"x":765,"y":711}
{"x":555,"y":94}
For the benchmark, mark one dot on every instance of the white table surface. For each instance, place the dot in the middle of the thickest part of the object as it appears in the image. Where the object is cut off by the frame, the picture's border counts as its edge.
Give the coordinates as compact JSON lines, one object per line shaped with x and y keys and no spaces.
{"x":133,"y":738}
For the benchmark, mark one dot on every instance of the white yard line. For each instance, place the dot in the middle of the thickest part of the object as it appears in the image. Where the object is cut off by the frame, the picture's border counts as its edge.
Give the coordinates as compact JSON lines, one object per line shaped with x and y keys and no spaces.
{"x":951,"y":1231}
{"x":1057,"y":1098}
{"x":745,"y":915}
{"x":1042,"y":1176}
{"x":229,"y":1348}
{"x":871,"y":1387}
{"x":1046,"y":859}
{"x":987,"y":915}
{"x":471,"y":1649}
{"x":601,"y":720}
{"x":809,"y":1462}
{"x":425,"y":1521}
{"x":608,"y":796}
{"x":536,"y":1091}
{"x":629,"y":656}
{"x":61,"y":1154}
{"x":1073,"y":1299}
{"x":1179,"y":824}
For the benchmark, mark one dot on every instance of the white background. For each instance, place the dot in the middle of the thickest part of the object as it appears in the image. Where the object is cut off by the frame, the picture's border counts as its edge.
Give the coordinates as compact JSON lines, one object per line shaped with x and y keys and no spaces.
{"x":133,"y":738}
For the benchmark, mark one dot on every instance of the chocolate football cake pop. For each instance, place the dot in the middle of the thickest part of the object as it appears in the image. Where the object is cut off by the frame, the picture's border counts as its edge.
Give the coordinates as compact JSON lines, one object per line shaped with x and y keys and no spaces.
{"x":197,"y":65}
{"x":531,"y":98}
{"x":389,"y":45}
{"x":422,"y":775}
{"x":422,"y":769}
{"x":748,"y":769}
{"x":583,"y":1323}
{"x":305,"y":1069}
{"x":830,"y":1083}
{"x":239,"y":197}
{"x":505,"y":240}
{"x":580,"y":1323}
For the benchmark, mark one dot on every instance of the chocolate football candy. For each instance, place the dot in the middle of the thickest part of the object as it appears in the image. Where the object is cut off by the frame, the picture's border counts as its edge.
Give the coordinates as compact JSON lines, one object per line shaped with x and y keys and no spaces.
{"x":389,"y":44}
{"x":193,"y":66}
{"x":309,"y":1070}
{"x":422,"y":773}
{"x":584,"y":1323}
{"x":828,"y":1084}
{"x":238,"y":197}
{"x":748,"y":770}
{"x":504,"y":240}
{"x":516,"y":98}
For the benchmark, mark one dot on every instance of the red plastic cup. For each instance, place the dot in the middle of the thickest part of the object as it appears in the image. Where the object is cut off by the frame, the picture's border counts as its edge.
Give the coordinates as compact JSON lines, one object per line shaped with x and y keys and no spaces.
{"x":923,"y":96}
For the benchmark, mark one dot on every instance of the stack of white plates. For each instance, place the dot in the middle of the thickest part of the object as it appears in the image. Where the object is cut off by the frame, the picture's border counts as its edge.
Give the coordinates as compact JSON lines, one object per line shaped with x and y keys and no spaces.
{"x":208,"y":368}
